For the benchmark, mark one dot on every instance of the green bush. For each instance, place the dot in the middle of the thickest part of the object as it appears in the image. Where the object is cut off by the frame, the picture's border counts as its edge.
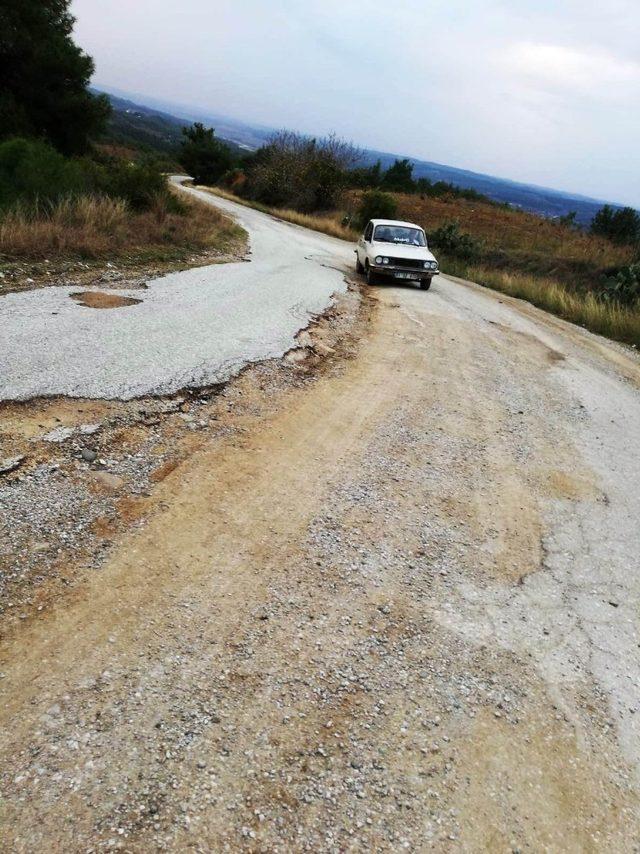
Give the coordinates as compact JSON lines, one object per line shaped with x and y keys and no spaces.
{"x":139,"y":184}
{"x":32,"y":171}
{"x":449,"y":239}
{"x":376,"y":205}
{"x":624,"y":287}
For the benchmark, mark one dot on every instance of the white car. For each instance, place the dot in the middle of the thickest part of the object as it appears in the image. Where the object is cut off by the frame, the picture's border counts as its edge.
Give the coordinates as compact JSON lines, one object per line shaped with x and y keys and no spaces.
{"x":395,"y":250}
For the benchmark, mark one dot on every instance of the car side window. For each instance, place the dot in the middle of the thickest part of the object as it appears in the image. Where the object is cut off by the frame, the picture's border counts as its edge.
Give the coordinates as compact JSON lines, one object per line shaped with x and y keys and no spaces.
{"x":368,"y":232}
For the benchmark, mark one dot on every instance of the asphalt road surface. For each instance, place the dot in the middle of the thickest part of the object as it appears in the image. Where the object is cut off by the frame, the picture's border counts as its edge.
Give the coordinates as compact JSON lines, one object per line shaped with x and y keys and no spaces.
{"x":192,"y":328}
{"x":390,"y":606}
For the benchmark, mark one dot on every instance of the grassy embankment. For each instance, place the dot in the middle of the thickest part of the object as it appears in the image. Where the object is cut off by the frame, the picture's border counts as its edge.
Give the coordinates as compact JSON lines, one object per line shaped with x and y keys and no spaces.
{"x":95,"y":227}
{"x":60,"y":215}
{"x":551,"y":265}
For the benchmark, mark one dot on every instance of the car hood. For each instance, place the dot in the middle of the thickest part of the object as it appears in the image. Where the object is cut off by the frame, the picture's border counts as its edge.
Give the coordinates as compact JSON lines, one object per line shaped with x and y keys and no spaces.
{"x":401,"y":250}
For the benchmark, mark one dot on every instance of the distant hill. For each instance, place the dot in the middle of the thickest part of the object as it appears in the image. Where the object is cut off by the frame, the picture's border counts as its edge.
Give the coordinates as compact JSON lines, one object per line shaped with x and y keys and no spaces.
{"x":139,"y":125}
{"x":158,"y":123}
{"x":529,"y":197}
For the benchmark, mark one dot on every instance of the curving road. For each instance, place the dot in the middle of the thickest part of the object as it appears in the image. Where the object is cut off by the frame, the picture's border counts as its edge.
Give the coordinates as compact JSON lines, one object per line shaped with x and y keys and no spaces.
{"x":193,"y":328}
{"x":399,"y":610}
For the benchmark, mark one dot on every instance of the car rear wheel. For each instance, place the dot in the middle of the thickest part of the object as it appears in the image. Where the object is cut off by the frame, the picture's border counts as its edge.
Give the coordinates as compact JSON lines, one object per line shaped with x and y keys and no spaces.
{"x":425,"y":284}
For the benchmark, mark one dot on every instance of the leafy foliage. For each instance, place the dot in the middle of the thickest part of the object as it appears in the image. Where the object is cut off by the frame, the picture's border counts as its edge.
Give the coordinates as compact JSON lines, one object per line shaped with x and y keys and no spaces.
{"x":620,"y":225}
{"x":624,"y":287}
{"x":399,"y":177}
{"x":452,"y":241}
{"x":376,"y":205}
{"x":33,"y":173}
{"x":300,"y":172}
{"x":366,"y":177}
{"x":204,"y":157}
{"x":44,"y":77}
{"x":31,"y":170}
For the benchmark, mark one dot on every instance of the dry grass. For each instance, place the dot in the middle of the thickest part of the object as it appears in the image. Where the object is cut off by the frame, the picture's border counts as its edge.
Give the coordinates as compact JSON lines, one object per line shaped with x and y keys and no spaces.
{"x":606,"y":318}
{"x":514,"y":239}
{"x":517,"y":240}
{"x":329,"y":223}
{"x":95,"y":227}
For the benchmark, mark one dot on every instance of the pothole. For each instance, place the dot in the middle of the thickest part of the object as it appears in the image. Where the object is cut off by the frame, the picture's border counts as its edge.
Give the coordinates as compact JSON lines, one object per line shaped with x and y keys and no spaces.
{"x":100,"y":299}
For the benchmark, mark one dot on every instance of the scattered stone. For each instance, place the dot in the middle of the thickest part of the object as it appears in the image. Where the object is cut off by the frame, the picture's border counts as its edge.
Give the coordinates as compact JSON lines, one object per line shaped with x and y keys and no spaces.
{"x":323,"y":349}
{"x":58,"y":434}
{"x":88,"y":455}
{"x":108,"y":480}
{"x":9,"y":464}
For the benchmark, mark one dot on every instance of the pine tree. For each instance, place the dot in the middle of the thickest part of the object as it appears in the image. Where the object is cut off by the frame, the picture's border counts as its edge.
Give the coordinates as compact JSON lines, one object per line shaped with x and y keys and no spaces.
{"x":44,"y":77}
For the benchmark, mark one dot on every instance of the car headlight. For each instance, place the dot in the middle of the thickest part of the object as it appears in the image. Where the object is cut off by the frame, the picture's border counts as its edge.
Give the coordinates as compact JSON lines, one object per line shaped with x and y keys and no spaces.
{"x":427,"y":265}
{"x":378,"y":259}
{"x":431,"y":265}
{"x":385,"y":260}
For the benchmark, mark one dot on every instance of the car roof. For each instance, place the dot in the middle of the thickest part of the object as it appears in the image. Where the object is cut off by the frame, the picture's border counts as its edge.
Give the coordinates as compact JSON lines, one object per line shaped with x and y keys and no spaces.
{"x":396,"y":222}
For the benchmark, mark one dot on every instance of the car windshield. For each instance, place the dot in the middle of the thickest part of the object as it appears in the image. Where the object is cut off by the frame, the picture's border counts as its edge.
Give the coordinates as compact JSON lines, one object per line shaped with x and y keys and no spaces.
{"x":399,"y":234}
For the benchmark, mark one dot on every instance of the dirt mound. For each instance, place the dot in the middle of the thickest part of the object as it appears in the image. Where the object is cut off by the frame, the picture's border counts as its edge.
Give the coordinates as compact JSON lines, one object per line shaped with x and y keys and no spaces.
{"x":100,"y":299}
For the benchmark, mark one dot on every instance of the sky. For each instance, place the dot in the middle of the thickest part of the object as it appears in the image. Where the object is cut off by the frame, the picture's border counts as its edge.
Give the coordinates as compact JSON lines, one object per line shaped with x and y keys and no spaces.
{"x":541,"y":91}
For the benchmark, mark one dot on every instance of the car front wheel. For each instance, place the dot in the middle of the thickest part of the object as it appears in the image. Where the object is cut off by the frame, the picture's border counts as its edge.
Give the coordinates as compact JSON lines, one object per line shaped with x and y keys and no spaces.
{"x":371,"y":276}
{"x":359,"y":267}
{"x":425,"y":284}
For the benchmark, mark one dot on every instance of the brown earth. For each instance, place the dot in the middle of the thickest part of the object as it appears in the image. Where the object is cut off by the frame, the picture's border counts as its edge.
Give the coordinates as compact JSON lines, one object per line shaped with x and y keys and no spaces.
{"x":99,"y":299}
{"x":284,"y":655}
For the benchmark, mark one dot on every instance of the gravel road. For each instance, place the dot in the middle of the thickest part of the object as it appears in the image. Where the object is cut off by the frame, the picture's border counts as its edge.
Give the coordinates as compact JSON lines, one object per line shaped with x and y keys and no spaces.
{"x":192,"y":328}
{"x":392,"y":605}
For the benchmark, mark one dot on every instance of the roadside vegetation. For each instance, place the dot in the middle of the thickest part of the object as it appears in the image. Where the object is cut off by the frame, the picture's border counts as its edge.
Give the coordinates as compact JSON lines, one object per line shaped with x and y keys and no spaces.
{"x":74,"y":184}
{"x":588,"y":276}
{"x":68,"y":192}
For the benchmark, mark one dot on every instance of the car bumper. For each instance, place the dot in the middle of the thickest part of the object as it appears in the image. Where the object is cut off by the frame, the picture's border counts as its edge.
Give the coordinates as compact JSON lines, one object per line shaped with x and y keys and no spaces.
{"x":401,"y":273}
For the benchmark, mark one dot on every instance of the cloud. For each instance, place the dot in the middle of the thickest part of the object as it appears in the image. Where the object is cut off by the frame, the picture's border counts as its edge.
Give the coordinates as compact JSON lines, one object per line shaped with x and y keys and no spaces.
{"x":566,"y":70}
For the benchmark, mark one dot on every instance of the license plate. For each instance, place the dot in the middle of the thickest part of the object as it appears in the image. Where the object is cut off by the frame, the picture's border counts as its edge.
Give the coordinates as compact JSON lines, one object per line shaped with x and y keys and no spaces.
{"x":411,"y":276}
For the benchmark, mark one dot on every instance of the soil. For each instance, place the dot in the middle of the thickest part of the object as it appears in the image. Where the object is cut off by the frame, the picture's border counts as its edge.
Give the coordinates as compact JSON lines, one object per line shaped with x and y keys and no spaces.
{"x":304,"y":612}
{"x":99,"y":299}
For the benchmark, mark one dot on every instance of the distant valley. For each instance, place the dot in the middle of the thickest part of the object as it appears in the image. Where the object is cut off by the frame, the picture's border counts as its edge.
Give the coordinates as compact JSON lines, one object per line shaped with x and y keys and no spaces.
{"x":158,"y":124}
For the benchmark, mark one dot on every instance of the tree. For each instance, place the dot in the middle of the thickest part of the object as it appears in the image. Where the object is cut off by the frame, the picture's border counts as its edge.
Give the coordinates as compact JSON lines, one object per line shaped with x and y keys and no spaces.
{"x":366,"y":177}
{"x":44,"y":77}
{"x":621,"y":225}
{"x":569,"y":219}
{"x":204,"y":157}
{"x":399,"y":177}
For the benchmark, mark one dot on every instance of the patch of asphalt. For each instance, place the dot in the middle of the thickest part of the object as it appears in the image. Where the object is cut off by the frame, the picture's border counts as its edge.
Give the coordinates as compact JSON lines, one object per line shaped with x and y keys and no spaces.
{"x":194,"y":328}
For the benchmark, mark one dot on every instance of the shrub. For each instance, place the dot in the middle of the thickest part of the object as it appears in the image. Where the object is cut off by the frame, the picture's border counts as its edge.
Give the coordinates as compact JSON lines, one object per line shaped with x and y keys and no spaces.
{"x":33,"y":173}
{"x":31,"y":170}
{"x":138,"y":184}
{"x":296,"y":171}
{"x":376,"y":205}
{"x":623,"y":288}
{"x":450,"y":240}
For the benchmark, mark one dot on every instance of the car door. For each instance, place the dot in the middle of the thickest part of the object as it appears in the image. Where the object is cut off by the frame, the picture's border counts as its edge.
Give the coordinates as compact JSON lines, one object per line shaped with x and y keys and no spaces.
{"x":363,"y":243}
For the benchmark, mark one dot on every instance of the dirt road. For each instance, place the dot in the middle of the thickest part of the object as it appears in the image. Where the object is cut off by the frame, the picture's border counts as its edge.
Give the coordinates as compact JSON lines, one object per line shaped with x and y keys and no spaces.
{"x":394,"y":606}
